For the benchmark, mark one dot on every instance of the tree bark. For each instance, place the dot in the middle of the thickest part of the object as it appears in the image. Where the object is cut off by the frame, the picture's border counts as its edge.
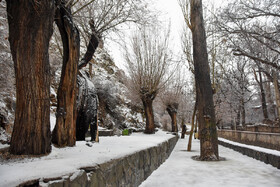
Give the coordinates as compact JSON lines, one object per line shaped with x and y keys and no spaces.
{"x":277,"y":93}
{"x":272,"y":108}
{"x":149,"y":114}
{"x":263,"y":97}
{"x":184,"y":129}
{"x":192,"y":128}
{"x":172,"y":111}
{"x":91,"y":48}
{"x":238,"y":116}
{"x":30,"y":30}
{"x":206,"y":112}
{"x":64,"y":133}
{"x":243,"y":113}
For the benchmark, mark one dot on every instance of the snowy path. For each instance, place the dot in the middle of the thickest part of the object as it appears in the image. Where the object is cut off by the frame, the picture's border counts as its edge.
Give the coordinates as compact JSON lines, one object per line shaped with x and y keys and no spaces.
{"x":237,"y":170}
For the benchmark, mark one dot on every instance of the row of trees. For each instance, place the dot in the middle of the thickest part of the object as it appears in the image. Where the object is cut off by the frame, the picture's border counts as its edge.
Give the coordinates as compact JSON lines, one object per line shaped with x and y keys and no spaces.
{"x":82,"y":26}
{"x":251,"y":31}
{"x":148,"y":57}
{"x":243,"y":51}
{"x":30,"y":32}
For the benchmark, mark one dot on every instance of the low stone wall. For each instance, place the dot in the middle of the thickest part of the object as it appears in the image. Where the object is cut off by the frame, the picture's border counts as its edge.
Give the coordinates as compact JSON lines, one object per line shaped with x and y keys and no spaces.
{"x":267,"y":158}
{"x":263,"y":128}
{"x":128,"y":171}
{"x":266,"y":140}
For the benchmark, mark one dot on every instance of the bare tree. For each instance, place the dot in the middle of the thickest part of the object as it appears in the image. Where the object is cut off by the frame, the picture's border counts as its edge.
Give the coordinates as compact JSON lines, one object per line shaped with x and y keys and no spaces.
{"x":171,"y":98}
{"x":243,"y":19}
{"x":95,"y":19}
{"x":205,"y":105}
{"x":107,"y":17}
{"x":252,"y":30}
{"x":147,"y":60}
{"x":30,"y":30}
{"x":236,"y":86}
{"x":259,"y":79}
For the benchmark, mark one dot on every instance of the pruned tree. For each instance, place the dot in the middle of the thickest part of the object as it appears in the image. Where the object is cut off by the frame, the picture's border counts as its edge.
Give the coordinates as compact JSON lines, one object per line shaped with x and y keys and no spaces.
{"x":171,"y":98}
{"x":95,"y":19}
{"x":30,"y":30}
{"x":205,"y":105}
{"x":100,"y":19}
{"x":147,"y":59}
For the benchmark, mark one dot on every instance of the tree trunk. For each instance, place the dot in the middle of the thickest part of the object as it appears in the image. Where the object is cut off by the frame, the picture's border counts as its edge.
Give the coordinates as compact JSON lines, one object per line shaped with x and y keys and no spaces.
{"x":270,"y":100}
{"x":172,"y":111}
{"x":243,"y":113}
{"x":191,"y":132}
{"x":184,"y":129}
{"x":238,"y":116}
{"x":64,"y":133}
{"x":31,"y":27}
{"x":277,"y":93}
{"x":263,"y":97}
{"x":149,"y":114}
{"x":206,"y":112}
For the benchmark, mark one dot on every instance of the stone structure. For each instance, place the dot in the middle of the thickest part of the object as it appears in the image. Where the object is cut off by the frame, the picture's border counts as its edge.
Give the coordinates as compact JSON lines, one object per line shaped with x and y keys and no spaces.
{"x":267,"y":158}
{"x":263,"y":128}
{"x":128,"y":171}
{"x":266,"y":140}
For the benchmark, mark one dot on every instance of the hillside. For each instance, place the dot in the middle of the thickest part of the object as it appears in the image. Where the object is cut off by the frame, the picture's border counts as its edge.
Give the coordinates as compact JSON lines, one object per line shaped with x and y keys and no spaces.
{"x":115,"y":109}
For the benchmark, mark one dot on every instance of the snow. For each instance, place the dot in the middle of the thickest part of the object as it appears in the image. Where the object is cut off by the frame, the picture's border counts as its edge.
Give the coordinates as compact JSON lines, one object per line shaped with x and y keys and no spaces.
{"x":260,"y":149}
{"x":237,"y":170}
{"x":68,"y":160}
{"x":52,"y":121}
{"x":3,"y":145}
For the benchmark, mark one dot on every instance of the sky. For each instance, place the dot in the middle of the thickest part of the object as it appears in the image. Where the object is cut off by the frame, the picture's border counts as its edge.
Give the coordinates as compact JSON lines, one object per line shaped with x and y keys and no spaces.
{"x":170,"y":11}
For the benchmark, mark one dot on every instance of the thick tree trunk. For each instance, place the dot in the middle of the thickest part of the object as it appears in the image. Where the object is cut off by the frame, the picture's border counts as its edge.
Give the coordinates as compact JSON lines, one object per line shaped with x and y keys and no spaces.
{"x":30,"y":30}
{"x":64,"y":133}
{"x":87,"y":103}
{"x":149,"y":114}
{"x":172,"y":111}
{"x":87,"y":106}
{"x":206,"y":112}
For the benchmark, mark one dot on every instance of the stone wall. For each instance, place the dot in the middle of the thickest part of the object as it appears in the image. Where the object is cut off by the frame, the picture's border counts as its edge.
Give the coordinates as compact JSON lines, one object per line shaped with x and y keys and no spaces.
{"x":128,"y":171}
{"x":267,"y":158}
{"x":266,"y":140}
{"x":263,"y":128}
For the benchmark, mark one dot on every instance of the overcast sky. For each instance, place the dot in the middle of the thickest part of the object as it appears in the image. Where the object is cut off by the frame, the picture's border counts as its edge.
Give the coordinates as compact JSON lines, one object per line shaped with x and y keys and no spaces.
{"x":170,"y":11}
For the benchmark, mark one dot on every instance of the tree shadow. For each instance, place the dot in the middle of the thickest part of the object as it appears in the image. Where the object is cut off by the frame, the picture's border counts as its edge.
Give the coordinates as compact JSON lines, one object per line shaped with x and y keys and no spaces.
{"x":210,"y":159}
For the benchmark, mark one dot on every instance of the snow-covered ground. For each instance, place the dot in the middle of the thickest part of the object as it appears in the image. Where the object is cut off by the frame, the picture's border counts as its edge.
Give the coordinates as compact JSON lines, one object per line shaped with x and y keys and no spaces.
{"x":238,"y":170}
{"x":68,"y":160}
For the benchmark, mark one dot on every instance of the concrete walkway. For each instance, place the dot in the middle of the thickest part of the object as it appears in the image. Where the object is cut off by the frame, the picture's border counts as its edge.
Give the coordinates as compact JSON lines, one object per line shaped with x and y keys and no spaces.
{"x":238,"y":170}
